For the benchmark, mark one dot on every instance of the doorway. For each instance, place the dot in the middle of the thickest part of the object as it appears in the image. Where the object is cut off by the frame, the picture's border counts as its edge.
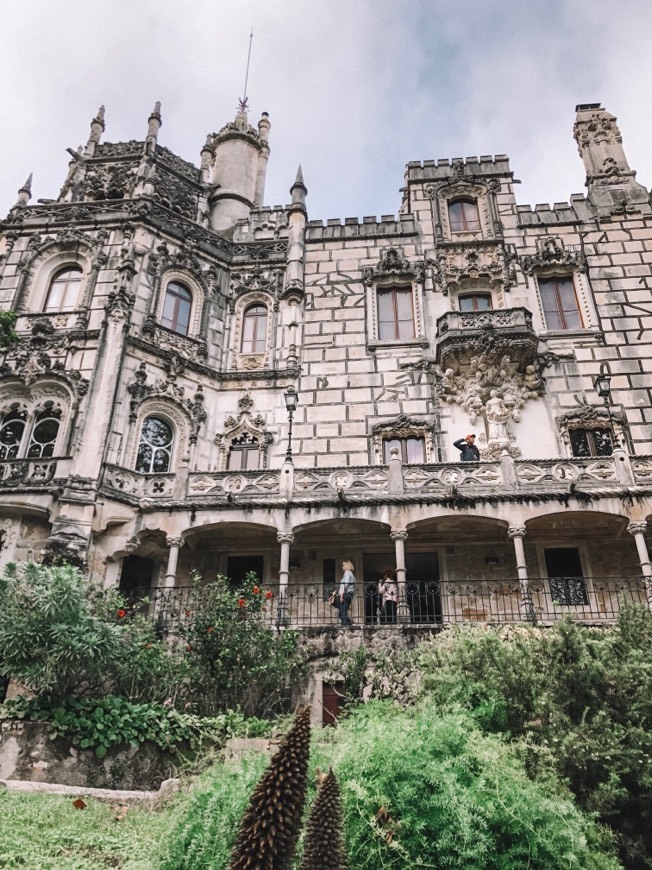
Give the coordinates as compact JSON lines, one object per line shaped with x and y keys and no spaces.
{"x":237,"y":568}
{"x":422,"y":587}
{"x":566,"y":577}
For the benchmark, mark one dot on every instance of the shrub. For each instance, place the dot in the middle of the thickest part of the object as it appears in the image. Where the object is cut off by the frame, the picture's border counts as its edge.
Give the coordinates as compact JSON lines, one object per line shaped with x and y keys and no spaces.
{"x":58,"y":634}
{"x":237,"y":660}
{"x":422,"y":790}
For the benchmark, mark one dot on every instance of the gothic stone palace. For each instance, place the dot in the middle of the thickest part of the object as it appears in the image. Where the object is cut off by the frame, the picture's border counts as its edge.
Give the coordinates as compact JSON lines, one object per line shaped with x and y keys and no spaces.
{"x":169,"y":321}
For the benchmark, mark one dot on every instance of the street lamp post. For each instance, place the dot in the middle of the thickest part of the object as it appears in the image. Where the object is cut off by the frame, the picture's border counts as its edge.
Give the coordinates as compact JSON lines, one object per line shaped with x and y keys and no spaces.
{"x":291,"y":401}
{"x":602,"y":386}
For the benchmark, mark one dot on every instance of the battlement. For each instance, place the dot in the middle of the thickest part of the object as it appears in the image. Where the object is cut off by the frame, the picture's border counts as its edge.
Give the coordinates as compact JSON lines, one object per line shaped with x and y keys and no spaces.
{"x":459,"y":167}
{"x":370,"y":227}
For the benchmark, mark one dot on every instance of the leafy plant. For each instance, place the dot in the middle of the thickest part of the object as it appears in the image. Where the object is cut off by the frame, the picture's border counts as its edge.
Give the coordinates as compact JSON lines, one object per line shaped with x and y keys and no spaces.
{"x":58,"y":634}
{"x":424,"y":790}
{"x":237,"y":661}
{"x":8,"y":334}
{"x":111,"y":721}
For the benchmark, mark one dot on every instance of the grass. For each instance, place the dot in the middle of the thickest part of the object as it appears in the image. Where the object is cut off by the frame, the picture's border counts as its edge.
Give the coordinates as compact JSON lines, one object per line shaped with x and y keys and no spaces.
{"x":47,"y":832}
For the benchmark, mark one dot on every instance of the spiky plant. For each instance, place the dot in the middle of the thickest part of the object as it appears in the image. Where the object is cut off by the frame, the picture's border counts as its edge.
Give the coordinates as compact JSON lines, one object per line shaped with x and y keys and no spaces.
{"x":271,"y":825}
{"x":324,"y":847}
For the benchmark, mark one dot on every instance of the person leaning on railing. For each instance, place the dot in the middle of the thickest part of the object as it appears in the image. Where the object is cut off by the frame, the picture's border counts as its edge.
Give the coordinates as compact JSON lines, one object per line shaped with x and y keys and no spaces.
{"x":388,"y":591}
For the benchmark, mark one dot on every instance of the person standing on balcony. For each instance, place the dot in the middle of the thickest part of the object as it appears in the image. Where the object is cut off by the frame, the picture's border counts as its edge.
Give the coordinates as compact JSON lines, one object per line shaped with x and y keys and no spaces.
{"x":470,"y":452}
{"x":346,"y":591}
{"x":388,"y":591}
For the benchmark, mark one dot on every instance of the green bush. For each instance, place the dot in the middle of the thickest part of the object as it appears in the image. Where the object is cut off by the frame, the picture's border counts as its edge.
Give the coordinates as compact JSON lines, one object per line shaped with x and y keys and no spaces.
{"x":424,"y":790}
{"x":575,"y":700}
{"x":238,"y":661}
{"x":59,"y":635}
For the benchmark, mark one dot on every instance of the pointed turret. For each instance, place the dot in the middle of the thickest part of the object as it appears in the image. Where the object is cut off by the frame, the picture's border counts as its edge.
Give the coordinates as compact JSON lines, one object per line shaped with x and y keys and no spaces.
{"x":299,"y":190}
{"x":239,"y":169}
{"x":97,"y":128}
{"x":610,"y":181}
{"x":153,"y":126}
{"x":24,"y":193}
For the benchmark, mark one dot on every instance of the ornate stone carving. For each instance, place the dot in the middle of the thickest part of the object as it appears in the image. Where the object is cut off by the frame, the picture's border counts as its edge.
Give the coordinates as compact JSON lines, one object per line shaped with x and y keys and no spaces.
{"x":245,"y":428}
{"x":255,"y":280}
{"x":455,"y":264}
{"x":393,"y":264}
{"x":404,"y":427}
{"x":139,"y":390}
{"x":552,"y":253}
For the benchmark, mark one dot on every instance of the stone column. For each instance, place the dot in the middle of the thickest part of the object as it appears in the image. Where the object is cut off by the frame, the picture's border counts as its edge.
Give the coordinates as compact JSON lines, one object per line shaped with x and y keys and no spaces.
{"x":638,"y":531}
{"x":399,"y":536}
{"x":517,"y":533}
{"x":175,"y":545}
{"x":284,"y":539}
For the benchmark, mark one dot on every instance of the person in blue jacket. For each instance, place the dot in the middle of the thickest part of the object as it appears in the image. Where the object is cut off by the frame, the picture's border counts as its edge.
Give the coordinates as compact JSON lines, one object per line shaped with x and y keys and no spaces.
{"x":470,"y":452}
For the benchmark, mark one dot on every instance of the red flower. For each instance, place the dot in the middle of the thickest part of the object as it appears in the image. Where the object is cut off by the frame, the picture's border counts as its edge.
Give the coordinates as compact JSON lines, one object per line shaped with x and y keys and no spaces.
{"x":189,"y":647}
{"x":210,"y":629}
{"x":242,"y":602}
{"x":188,"y":612}
{"x":269,"y":594}
{"x":256,"y":590}
{"x":121,"y":613}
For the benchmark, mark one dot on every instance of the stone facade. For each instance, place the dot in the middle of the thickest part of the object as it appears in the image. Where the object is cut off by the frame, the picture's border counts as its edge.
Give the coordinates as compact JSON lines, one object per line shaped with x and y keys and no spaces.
{"x":164,"y":312}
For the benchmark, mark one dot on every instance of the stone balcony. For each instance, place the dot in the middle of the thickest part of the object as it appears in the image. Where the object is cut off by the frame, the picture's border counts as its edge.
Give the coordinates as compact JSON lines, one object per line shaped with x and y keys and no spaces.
{"x":443,"y":482}
{"x":463,"y":335}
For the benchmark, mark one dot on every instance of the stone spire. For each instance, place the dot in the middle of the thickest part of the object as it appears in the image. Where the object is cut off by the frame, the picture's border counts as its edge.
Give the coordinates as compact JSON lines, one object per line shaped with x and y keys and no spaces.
{"x":610,"y":181}
{"x":97,"y":128}
{"x":24,"y":193}
{"x":299,"y":191}
{"x":153,"y":126}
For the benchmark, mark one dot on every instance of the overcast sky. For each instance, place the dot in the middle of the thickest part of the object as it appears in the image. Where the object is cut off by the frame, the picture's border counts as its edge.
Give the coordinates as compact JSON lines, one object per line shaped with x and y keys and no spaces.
{"x":354,"y":88}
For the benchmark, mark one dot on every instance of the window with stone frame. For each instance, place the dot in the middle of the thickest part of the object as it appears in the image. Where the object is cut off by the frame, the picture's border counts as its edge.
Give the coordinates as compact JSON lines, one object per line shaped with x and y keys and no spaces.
{"x":463,"y":215}
{"x":254,"y":329}
{"x":244,"y":453}
{"x":63,"y":290}
{"x":395,"y":310}
{"x":155,"y":446}
{"x":561,"y":309}
{"x":474,"y":302}
{"x":177,"y":305}
{"x":411,"y":449}
{"x":588,"y":442}
{"x":22,"y":438}
{"x":414,"y":440}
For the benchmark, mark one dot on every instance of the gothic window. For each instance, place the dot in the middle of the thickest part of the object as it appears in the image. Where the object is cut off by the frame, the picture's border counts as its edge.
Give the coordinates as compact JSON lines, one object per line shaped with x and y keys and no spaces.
{"x":559,"y":301}
{"x":244,"y":454}
{"x":463,"y":215}
{"x":44,"y":433}
{"x":591,"y":442}
{"x":411,"y":449}
{"x":395,"y":313}
{"x":254,"y":329}
{"x":566,"y":578}
{"x":12,"y":429}
{"x":176,"y":308}
{"x":63,"y":292}
{"x":475,"y":302}
{"x":155,"y":446}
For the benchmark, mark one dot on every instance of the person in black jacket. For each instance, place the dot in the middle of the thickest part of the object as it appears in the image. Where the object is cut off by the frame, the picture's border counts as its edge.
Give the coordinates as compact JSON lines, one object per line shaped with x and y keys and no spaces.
{"x":470,"y":452}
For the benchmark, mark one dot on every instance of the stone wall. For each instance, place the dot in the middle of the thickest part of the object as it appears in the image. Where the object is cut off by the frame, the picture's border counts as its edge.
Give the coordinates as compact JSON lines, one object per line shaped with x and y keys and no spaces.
{"x":27,"y":753}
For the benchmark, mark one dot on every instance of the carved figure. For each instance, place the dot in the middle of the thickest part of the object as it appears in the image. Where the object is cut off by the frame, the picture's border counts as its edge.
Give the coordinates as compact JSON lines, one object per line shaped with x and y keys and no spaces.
{"x":497,"y":414}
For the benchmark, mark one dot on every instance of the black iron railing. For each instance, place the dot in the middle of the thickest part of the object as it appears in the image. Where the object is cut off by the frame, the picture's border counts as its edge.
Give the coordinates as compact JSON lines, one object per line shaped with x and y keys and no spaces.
{"x":427,"y":603}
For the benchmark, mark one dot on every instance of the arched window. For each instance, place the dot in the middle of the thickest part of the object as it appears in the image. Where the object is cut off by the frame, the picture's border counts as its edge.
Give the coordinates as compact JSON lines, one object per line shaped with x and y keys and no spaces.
{"x":463,"y":215}
{"x":12,"y":428}
{"x":411,"y":449}
{"x":63,"y":292}
{"x":44,"y":433}
{"x":254,"y":329}
{"x":155,"y":446}
{"x":475,"y":302}
{"x":176,"y":308}
{"x":244,"y":454}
